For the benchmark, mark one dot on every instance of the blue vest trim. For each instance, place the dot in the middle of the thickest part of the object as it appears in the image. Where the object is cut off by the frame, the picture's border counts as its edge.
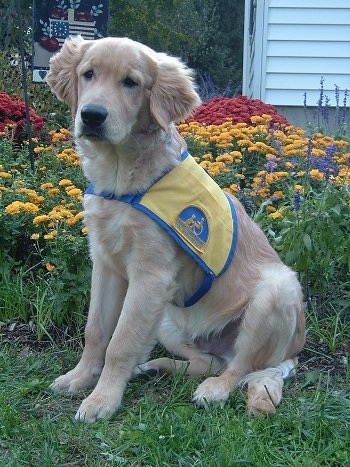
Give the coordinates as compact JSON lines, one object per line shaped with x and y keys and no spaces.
{"x":210,"y":276}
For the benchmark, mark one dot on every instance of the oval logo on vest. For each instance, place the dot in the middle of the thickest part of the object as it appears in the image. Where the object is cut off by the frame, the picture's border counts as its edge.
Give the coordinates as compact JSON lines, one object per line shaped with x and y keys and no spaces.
{"x":192,"y":225}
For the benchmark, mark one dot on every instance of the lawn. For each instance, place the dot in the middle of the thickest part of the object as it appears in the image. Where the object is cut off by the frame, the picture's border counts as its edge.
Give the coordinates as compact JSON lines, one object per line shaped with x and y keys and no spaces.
{"x":159,"y":426}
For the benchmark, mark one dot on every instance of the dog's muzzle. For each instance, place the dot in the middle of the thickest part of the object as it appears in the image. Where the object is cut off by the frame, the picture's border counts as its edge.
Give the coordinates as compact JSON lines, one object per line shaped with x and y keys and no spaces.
{"x":93,"y":117}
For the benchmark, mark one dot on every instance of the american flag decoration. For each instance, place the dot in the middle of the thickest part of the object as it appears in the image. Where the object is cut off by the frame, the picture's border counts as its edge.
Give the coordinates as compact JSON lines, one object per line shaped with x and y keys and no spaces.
{"x":55,"y":20}
{"x":61,"y":29}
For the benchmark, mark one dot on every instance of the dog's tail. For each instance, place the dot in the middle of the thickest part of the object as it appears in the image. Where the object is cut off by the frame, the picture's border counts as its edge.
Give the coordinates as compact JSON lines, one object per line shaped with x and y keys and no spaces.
{"x":265,"y":386}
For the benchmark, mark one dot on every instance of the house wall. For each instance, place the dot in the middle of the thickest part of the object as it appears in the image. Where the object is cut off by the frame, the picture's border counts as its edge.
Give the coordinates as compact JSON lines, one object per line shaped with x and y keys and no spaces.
{"x":291,"y":45}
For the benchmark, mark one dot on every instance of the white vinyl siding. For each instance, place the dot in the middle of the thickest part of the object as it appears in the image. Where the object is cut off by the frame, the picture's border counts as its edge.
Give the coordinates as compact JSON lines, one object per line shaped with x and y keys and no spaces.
{"x":296,"y":44}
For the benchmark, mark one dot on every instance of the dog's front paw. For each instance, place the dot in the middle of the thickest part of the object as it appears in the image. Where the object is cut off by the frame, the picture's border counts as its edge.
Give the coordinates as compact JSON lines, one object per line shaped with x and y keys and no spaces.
{"x":75,"y":381}
{"x":96,"y":407}
{"x":212,"y":390}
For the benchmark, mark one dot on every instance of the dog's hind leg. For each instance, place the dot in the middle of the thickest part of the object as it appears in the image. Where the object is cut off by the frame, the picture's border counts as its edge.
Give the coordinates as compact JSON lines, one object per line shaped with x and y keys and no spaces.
{"x":194,"y":363}
{"x":265,"y":387}
{"x":271,"y":331}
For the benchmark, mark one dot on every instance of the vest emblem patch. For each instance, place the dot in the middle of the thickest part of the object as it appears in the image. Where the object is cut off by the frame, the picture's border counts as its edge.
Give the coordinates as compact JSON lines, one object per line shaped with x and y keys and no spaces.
{"x":192,"y":225}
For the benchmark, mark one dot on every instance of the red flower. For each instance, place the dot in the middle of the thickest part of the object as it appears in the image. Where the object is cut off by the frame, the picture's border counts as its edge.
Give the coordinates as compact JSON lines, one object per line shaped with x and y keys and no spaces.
{"x":238,"y":109}
{"x":12,"y":112}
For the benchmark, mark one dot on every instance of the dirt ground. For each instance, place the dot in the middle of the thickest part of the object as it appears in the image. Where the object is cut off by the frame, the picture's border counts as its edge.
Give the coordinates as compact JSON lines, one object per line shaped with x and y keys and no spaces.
{"x":314,"y":357}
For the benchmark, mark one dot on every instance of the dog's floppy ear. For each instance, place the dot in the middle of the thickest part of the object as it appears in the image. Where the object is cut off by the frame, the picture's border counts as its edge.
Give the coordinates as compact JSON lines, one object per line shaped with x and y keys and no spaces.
{"x":173,"y":94}
{"x":62,"y":76}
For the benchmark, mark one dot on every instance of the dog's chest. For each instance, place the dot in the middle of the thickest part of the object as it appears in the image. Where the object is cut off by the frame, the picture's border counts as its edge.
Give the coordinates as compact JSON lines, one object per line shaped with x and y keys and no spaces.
{"x":122,"y":235}
{"x":109,"y":226}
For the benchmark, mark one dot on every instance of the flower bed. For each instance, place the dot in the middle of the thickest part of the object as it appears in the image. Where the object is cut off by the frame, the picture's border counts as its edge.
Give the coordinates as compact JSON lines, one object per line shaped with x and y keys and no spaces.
{"x":297,"y":187}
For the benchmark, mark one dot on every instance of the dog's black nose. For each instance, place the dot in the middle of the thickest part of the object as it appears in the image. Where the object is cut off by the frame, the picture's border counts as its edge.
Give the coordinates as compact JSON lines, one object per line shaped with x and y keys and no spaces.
{"x":93,"y":115}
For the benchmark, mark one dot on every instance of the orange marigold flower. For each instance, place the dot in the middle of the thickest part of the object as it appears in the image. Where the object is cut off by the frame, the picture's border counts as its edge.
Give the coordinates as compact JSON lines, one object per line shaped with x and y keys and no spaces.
{"x":50,"y":267}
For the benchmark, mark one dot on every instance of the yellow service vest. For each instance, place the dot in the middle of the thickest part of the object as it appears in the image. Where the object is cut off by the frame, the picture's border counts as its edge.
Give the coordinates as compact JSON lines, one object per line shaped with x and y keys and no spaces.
{"x":197,"y":214}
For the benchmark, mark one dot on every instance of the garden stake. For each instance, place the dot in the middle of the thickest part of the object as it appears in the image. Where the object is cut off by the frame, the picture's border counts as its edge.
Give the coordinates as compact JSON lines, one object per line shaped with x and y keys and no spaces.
{"x":24,"y":84}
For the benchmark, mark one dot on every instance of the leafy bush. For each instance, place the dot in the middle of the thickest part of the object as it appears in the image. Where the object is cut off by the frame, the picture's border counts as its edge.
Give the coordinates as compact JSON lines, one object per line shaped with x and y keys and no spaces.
{"x":41,"y":225}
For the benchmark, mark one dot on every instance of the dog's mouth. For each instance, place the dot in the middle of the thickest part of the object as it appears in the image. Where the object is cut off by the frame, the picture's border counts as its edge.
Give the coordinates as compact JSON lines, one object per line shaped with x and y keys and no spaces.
{"x":92,"y":133}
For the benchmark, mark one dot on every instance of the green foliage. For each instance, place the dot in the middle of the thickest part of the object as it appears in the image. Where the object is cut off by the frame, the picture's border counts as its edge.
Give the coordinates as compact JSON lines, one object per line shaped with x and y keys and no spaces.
{"x":314,"y":239}
{"x":207,"y":35}
{"x":40,"y":222}
{"x":15,"y":16}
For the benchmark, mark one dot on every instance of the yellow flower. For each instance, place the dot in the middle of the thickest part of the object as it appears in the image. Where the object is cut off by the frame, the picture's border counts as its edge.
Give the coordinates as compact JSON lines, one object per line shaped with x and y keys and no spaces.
{"x":45,"y":186}
{"x":40,"y":219}
{"x":65,"y":182}
{"x":5,"y":175}
{"x":74,"y":192}
{"x":32,"y":195}
{"x":18,"y":206}
{"x":79,"y":216}
{"x":53,"y":191}
{"x":205,"y":164}
{"x":35,"y":236}
{"x":236,"y":154}
{"x":299,"y":188}
{"x":245,"y":142}
{"x":257,"y":120}
{"x":275,"y":215}
{"x":318,"y":152}
{"x":51,"y":235}
{"x":315,"y":173}
{"x":84,"y":230}
{"x":50,"y":267}
{"x":234,"y":187}
{"x":207,"y":156}
{"x":61,"y":135}
{"x":290,"y":165}
{"x":226,"y":158}
{"x":39,"y":149}
{"x":278,"y":194}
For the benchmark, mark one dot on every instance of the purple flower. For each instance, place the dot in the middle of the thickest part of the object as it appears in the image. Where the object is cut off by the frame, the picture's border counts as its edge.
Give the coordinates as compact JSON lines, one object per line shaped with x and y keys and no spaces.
{"x":297,"y":200}
{"x":271,"y":164}
{"x":326,"y":164}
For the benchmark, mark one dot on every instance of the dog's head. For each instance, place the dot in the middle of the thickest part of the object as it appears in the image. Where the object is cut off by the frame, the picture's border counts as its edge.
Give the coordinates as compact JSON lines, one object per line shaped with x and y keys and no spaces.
{"x":116,"y":86}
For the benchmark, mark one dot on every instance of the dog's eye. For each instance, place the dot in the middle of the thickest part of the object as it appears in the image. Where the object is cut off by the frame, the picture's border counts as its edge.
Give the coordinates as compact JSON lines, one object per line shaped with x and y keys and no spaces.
{"x":88,"y":74}
{"x":129,"y":83}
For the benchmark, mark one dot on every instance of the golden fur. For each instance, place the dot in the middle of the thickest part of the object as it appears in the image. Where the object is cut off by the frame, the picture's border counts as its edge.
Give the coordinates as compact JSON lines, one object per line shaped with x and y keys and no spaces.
{"x":247,"y":329}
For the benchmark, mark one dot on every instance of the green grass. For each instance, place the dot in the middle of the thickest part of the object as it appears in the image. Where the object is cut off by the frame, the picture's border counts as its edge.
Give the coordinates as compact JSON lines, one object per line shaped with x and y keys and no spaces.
{"x":159,"y":426}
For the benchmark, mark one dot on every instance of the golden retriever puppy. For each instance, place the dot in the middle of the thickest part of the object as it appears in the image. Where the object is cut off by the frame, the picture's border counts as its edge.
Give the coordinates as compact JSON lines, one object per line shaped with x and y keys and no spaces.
{"x":236,"y":315}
